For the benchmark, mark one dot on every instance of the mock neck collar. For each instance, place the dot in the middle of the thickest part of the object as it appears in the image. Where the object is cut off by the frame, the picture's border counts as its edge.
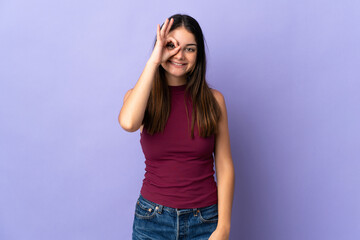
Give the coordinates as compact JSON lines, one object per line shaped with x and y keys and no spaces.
{"x":177,"y":89}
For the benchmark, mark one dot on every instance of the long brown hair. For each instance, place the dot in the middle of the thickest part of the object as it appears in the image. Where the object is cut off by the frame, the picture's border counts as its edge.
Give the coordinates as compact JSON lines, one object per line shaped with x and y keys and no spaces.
{"x":207,"y":111}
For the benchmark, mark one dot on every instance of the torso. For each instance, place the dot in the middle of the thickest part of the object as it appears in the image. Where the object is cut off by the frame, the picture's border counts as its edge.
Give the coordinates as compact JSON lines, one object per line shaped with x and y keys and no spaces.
{"x":142,"y":125}
{"x":176,"y":161}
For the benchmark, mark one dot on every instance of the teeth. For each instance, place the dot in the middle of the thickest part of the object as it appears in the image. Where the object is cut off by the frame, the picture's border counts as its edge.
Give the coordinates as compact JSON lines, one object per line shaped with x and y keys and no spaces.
{"x":177,"y":64}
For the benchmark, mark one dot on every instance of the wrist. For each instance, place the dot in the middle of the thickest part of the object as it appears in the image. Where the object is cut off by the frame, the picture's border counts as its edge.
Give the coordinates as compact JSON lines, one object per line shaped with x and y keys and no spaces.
{"x":153,"y":63}
{"x":224,"y":228}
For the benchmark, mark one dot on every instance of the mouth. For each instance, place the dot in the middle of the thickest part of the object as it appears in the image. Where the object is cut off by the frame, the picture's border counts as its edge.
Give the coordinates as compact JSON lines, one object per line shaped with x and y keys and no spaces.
{"x":179,"y":65}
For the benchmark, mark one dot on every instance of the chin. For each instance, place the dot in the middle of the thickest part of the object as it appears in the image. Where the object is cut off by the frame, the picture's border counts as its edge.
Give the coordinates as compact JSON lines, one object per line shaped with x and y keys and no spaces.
{"x":175,"y":72}
{"x":178,"y":75}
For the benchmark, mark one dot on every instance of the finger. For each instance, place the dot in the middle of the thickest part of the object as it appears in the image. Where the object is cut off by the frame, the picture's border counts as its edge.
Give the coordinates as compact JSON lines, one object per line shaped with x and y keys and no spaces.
{"x":173,"y":40}
{"x":162,"y":33}
{"x":174,"y":51}
{"x":170,"y":24}
{"x":167,"y":30}
{"x":158,"y":31}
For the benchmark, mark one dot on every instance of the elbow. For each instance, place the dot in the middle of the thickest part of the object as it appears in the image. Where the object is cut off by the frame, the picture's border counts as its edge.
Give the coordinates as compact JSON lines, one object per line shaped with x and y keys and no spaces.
{"x":126,"y":125}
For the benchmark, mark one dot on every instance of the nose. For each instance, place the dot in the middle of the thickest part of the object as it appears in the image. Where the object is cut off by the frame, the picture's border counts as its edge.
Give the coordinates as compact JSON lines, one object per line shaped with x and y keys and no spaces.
{"x":179,"y":54}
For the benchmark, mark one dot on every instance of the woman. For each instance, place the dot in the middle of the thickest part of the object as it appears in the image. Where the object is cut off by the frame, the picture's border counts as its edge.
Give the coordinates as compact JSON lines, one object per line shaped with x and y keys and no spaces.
{"x":182,"y":123}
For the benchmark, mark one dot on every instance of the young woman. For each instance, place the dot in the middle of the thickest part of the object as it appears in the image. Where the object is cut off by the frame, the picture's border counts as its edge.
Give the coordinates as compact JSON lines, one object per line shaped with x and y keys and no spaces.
{"x":182,"y":123}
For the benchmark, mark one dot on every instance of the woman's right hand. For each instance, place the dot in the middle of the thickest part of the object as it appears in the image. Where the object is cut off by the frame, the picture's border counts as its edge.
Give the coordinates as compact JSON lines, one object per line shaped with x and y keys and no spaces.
{"x":162,"y":52}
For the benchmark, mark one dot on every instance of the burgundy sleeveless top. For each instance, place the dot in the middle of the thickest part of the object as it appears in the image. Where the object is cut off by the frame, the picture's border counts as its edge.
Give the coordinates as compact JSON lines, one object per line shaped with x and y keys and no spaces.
{"x":179,"y":171}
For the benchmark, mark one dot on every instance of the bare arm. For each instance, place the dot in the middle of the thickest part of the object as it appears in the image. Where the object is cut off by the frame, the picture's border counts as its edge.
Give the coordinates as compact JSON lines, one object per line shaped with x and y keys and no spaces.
{"x":135,"y":101}
{"x":225,"y":173}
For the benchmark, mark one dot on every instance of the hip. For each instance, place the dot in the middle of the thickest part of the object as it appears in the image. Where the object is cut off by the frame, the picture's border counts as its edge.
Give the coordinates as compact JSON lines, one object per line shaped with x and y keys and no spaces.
{"x":155,"y":221}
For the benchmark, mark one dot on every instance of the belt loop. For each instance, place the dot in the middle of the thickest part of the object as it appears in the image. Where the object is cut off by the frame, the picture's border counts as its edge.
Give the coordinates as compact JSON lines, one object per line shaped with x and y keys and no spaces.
{"x":196,"y":211}
{"x":159,"y":208}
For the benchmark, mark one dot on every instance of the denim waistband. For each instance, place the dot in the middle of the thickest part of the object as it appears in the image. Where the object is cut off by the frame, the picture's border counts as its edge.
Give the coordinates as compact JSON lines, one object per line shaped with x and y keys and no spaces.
{"x":170,"y":209}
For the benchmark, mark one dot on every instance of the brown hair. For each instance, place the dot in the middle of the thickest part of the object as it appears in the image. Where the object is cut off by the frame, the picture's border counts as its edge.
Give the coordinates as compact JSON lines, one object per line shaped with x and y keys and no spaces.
{"x":207,"y":110}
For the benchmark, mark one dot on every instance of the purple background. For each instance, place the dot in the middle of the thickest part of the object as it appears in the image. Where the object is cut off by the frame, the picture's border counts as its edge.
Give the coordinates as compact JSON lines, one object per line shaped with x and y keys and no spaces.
{"x":289,"y":71}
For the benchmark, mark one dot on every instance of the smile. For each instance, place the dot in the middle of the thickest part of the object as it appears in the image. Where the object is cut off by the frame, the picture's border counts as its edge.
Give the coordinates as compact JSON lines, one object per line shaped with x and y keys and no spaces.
{"x":177,"y":64}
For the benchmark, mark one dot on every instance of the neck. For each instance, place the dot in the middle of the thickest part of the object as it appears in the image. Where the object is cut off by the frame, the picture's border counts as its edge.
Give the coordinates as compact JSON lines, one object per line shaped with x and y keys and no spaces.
{"x":175,"y":81}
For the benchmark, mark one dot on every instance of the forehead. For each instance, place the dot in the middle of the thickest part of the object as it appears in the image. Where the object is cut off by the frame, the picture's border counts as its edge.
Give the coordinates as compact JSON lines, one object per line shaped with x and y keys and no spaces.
{"x":182,"y":35}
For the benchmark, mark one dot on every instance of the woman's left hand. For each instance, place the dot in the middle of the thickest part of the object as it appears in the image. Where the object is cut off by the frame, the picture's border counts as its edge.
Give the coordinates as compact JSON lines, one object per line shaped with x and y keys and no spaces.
{"x":219,"y":235}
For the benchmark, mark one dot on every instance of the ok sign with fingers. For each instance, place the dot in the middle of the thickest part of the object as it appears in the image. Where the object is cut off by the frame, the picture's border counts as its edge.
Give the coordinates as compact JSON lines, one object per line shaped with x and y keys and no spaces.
{"x":161,"y":53}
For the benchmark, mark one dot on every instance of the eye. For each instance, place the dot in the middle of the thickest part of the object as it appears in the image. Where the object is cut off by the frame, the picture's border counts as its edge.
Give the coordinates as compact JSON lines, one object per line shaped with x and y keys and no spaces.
{"x":191,"y":49}
{"x":170,"y":45}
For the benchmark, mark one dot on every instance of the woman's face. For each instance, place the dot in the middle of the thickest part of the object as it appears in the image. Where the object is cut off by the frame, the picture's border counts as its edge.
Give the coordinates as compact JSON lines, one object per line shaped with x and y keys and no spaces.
{"x":186,"y":56}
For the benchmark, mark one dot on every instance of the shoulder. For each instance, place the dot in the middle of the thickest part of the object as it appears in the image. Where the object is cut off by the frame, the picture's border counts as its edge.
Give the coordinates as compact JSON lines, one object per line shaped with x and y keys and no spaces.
{"x":221,"y":101}
{"x":218,"y":96}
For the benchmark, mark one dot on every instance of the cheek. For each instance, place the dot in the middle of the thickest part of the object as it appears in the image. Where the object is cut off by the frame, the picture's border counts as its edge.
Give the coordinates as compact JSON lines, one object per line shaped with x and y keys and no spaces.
{"x":164,"y":65}
{"x":192,"y":67}
{"x":193,"y":62}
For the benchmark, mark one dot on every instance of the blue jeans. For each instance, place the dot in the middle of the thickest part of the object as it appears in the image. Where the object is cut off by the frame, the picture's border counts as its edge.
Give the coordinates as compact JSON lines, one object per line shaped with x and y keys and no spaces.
{"x":153,"y":221}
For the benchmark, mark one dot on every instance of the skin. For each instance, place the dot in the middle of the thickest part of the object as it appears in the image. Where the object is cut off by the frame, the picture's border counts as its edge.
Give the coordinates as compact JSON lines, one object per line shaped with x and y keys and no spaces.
{"x":186,"y":54}
{"x":179,"y":52}
{"x":178,"y":46}
{"x":135,"y":100}
{"x":225,"y":173}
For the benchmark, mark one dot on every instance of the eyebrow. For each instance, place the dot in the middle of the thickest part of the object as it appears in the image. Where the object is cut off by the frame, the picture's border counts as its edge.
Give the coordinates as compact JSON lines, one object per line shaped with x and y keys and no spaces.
{"x":191,"y":44}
